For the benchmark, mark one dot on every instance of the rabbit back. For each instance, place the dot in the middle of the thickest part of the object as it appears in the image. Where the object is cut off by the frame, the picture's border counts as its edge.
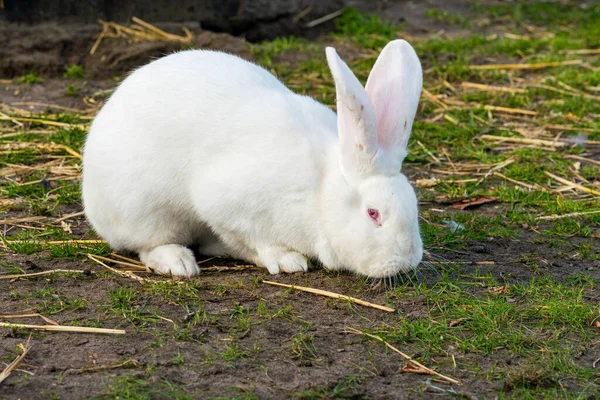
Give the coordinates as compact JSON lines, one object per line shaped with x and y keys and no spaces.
{"x":201,"y":141}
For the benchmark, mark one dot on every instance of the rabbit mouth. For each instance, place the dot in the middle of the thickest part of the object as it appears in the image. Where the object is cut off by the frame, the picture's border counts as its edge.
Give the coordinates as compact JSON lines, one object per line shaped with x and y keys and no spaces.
{"x":392,"y":268}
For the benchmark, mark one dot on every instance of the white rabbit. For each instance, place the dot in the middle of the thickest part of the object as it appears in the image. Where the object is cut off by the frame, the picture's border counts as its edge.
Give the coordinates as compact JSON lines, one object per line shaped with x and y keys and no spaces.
{"x":204,"y":148}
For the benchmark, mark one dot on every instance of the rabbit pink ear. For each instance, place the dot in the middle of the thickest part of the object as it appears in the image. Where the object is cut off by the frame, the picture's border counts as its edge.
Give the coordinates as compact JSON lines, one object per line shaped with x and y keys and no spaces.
{"x":394,"y":87}
{"x":357,"y":123}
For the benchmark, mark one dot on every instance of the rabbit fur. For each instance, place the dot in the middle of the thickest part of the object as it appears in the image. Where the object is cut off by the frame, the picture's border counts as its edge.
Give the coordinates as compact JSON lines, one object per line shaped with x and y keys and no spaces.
{"x":201,"y":148}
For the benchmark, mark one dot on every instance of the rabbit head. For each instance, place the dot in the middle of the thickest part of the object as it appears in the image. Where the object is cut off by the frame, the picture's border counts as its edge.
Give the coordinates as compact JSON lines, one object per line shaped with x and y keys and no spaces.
{"x":373,"y":226}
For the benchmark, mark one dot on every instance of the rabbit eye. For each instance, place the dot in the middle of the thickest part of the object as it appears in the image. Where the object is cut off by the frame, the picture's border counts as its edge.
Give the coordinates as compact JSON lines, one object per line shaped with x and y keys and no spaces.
{"x":374,"y":215}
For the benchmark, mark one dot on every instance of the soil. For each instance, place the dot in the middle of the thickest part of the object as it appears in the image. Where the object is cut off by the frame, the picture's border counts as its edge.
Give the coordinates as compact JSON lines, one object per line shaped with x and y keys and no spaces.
{"x":270,"y":369}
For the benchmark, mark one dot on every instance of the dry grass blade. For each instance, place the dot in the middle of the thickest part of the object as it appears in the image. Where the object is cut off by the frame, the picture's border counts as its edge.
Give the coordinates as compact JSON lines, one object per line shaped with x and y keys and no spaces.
{"x":57,"y":242}
{"x":413,"y":369}
{"x":406,"y":356}
{"x":490,"y":88}
{"x":332,"y":295}
{"x":574,"y":185}
{"x":509,"y":110}
{"x":516,"y":182}
{"x":125,"y":364}
{"x":496,"y":168}
{"x":569,"y":93}
{"x":569,"y":88}
{"x":131,"y":260}
{"x":47,"y":105}
{"x":527,"y":66}
{"x":583,"y":159}
{"x":71,"y":151}
{"x":429,"y":153}
{"x":63,"y":328}
{"x":91,"y":241}
{"x":10,"y":316}
{"x":473,"y":201}
{"x":535,"y":142}
{"x":138,"y":31}
{"x":301,"y":14}
{"x":48,"y":320}
{"x":427,"y":95}
{"x":569,"y":215}
{"x":428,"y":182}
{"x":230,"y":269}
{"x":136,"y":266}
{"x":450,"y":119}
{"x":161,"y":33}
{"x":9,"y":118}
{"x":324,"y":18}
{"x":124,"y":274}
{"x":35,"y":274}
{"x":584,"y":51}
{"x":69,"y":216}
{"x":10,"y":368}
{"x":45,"y":122}
{"x":10,"y":221}
{"x":570,"y":128}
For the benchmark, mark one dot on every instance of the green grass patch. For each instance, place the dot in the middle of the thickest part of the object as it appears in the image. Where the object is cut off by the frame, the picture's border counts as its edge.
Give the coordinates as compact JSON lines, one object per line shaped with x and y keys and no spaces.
{"x":130,"y":387}
{"x":30,"y":79}
{"x":368,"y":31}
{"x":74,"y":71}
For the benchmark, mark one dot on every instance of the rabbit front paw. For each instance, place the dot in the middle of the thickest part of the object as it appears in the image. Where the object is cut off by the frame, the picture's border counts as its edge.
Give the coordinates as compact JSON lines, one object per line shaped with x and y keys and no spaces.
{"x":170,"y":259}
{"x":292,"y":261}
{"x":277,"y":260}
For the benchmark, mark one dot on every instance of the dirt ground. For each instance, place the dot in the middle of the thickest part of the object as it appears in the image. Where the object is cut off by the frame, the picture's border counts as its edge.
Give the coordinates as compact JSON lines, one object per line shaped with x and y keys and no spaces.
{"x":295,"y":345}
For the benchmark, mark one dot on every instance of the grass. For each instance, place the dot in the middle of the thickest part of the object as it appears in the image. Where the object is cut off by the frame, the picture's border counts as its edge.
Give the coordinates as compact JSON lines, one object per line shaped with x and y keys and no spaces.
{"x":450,"y":18}
{"x":522,"y":327}
{"x":30,"y":79}
{"x":344,"y":388}
{"x":128,"y":387}
{"x":71,"y":91}
{"x":49,"y":301}
{"x":74,"y":71}
{"x":303,"y":345}
{"x":368,"y":31}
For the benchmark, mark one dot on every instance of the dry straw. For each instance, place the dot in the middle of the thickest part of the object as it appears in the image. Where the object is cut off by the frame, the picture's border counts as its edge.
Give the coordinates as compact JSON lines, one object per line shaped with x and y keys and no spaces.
{"x":528,"y":66}
{"x":333,"y":295}
{"x":63,"y":328}
{"x":124,"y":274}
{"x":536,"y":142}
{"x":138,"y":266}
{"x":11,"y":367}
{"x":572,"y":185}
{"x":138,"y":31}
{"x":569,"y":215}
{"x":30,"y":315}
{"x":406,"y":356}
{"x":36,"y":274}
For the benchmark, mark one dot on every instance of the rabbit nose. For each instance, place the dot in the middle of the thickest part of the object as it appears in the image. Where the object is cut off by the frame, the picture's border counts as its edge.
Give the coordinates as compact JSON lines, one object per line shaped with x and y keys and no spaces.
{"x":411,"y":251}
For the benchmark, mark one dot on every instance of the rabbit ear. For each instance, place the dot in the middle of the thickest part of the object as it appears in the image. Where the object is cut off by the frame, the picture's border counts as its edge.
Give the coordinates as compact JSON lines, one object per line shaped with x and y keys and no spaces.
{"x":394,"y":87}
{"x":357,"y":123}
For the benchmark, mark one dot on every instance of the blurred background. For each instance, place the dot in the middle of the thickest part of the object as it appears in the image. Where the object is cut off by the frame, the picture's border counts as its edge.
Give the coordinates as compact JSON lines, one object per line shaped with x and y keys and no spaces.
{"x":44,"y":36}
